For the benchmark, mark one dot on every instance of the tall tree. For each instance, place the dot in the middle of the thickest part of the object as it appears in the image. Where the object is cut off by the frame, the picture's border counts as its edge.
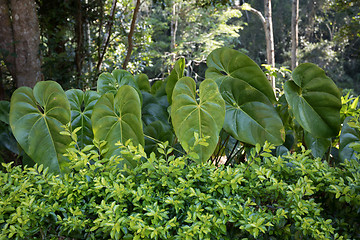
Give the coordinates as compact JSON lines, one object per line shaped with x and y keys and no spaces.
{"x":294,"y":33}
{"x":174,"y":26}
{"x":20,"y":37}
{"x":268,"y":28}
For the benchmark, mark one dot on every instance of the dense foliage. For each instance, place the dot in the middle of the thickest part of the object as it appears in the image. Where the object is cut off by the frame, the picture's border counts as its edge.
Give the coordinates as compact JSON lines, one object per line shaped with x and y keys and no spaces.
{"x":153,"y":170}
{"x":289,"y":197}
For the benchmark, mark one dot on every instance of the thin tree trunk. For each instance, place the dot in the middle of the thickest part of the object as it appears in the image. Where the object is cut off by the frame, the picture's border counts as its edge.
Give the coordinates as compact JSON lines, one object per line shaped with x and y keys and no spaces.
{"x":130,"y":36}
{"x":270,"y":51}
{"x":99,"y":40}
{"x":88,"y":41}
{"x":294,"y":33}
{"x":27,"y":39}
{"x":107,"y":35}
{"x":269,"y":37}
{"x":7,"y":46}
{"x":174,"y":25}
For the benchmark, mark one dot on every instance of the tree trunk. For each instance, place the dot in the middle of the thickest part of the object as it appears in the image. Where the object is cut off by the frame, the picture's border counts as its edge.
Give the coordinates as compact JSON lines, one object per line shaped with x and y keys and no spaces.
{"x":131,"y":34}
{"x":269,"y":36}
{"x":26,"y":36}
{"x":7,"y":47}
{"x":294,"y":33}
{"x":270,"y":52}
{"x":174,"y":25}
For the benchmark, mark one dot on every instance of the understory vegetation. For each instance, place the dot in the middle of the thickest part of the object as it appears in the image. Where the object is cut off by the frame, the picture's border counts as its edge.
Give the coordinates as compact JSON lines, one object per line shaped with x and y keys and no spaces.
{"x":290,"y":197}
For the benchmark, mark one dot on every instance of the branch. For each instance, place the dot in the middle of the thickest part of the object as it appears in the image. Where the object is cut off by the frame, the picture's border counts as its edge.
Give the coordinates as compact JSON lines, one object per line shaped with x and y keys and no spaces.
{"x":108,"y":34}
{"x":247,"y":7}
{"x":131,"y":33}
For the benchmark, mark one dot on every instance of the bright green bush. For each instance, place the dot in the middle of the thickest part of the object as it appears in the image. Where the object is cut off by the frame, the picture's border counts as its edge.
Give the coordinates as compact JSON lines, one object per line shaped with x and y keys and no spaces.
{"x":289,"y":197}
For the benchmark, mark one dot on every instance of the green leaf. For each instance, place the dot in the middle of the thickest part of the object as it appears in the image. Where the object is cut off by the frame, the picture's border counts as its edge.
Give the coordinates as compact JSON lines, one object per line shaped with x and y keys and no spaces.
{"x":314,"y":100}
{"x":318,"y":146}
{"x":4,"y":111}
{"x":142,"y":81}
{"x":348,"y":136}
{"x":158,"y":88}
{"x":112,"y":82}
{"x":204,"y":116}
{"x":250,"y":116}
{"x":118,"y":118}
{"x":225,"y":63}
{"x":160,"y":131}
{"x":36,"y":117}
{"x":154,"y":108}
{"x":175,"y":75}
{"x":82,"y":104}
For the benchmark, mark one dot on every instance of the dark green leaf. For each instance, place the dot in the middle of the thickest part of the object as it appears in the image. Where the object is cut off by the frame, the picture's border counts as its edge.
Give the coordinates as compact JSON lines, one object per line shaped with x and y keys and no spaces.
{"x":227,"y":63}
{"x":318,"y":146}
{"x":142,"y":81}
{"x":82,"y":104}
{"x":314,"y":100}
{"x":250,"y":116}
{"x":154,"y":108}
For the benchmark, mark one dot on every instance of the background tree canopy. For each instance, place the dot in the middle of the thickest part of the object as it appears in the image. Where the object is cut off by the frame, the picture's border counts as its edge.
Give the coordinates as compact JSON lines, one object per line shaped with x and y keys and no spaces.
{"x":79,"y":39}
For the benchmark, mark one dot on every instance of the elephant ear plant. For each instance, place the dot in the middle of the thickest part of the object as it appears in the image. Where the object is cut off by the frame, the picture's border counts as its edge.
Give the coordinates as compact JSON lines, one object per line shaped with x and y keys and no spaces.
{"x":82,"y":105}
{"x":315,"y":103}
{"x":36,"y":117}
{"x":315,"y":100}
{"x":250,"y":115}
{"x":235,"y":99}
{"x":195,"y":117}
{"x":118,"y":118}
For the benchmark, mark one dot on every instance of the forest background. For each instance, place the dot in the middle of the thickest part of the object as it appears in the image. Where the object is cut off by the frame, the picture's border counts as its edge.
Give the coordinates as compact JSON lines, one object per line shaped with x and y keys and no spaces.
{"x":73,"y":41}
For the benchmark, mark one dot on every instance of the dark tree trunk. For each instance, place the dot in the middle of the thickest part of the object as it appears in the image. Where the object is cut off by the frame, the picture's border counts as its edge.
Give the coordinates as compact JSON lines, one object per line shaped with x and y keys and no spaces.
{"x":7,"y":46}
{"x":26,"y":35}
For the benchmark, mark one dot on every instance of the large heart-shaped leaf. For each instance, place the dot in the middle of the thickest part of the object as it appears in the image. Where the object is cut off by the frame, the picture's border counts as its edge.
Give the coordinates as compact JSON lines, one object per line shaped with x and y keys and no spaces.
{"x":318,"y":146}
{"x":82,"y":104}
{"x":118,"y":118}
{"x":111,"y":82}
{"x":36,"y":117}
{"x":315,"y":100}
{"x":225,"y":63}
{"x":250,"y":116}
{"x":154,"y":108}
{"x":175,"y":75}
{"x":204,"y":116}
{"x":348,"y":137}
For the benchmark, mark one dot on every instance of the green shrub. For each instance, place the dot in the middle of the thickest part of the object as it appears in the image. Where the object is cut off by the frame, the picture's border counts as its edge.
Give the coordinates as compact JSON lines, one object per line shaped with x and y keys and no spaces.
{"x":289,"y":197}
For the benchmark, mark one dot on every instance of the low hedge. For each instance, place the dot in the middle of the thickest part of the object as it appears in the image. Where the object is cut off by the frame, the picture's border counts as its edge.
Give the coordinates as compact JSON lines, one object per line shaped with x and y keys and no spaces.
{"x":289,"y":197}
